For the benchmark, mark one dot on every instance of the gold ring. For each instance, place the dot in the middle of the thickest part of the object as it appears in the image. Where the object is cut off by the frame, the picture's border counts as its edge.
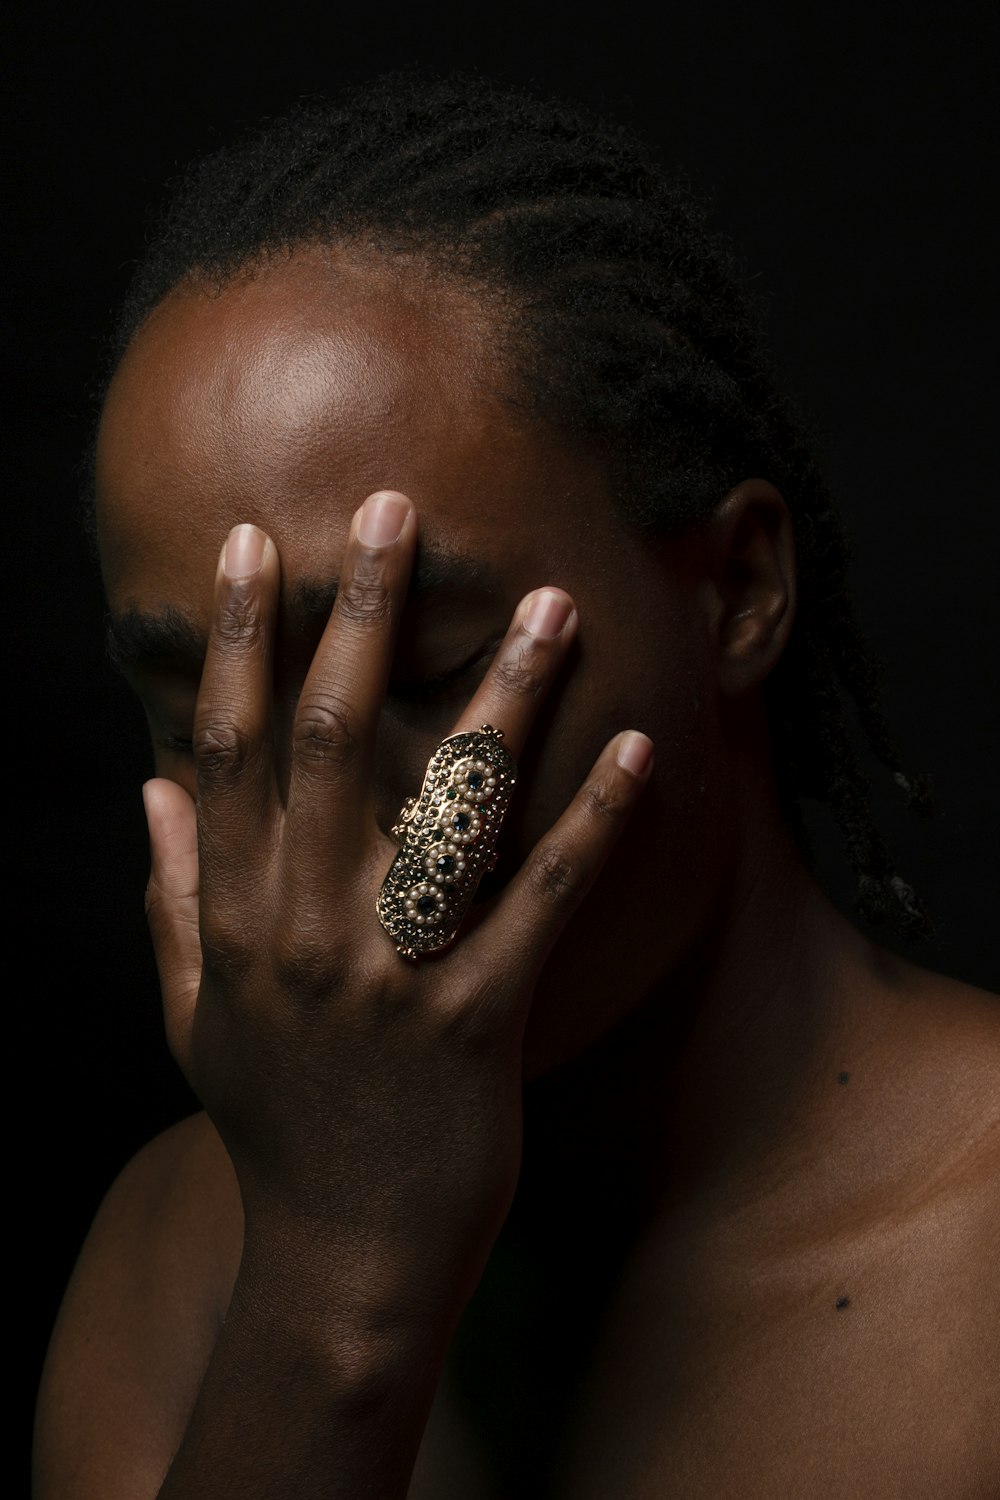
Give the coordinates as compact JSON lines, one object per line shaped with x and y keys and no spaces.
{"x":448,"y":837}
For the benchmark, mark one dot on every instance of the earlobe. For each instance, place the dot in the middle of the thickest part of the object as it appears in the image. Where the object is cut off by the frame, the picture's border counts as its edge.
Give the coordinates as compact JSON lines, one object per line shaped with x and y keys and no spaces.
{"x":751,"y":560}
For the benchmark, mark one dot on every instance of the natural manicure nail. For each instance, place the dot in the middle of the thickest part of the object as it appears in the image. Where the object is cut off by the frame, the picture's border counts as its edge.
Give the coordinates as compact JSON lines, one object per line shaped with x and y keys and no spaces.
{"x":635,"y":752}
{"x":382,"y":519}
{"x":244,"y":552}
{"x":547,"y":614}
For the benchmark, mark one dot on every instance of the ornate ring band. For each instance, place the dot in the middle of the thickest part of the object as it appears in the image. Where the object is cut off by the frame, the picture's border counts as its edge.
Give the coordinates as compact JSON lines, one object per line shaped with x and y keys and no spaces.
{"x":448,"y":836}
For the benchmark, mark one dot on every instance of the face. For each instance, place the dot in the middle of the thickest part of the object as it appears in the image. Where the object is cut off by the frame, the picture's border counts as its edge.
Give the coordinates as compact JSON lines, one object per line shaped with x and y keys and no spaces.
{"x":287,"y":398}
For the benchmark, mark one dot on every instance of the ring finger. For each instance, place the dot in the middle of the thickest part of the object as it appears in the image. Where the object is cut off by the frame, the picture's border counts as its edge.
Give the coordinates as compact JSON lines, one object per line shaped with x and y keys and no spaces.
{"x":453,"y":824}
{"x":523,"y":669}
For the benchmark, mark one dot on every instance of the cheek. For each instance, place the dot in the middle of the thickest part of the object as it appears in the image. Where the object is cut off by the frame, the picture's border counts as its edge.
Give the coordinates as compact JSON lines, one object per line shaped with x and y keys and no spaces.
{"x":661,"y":882}
{"x":616,"y":684}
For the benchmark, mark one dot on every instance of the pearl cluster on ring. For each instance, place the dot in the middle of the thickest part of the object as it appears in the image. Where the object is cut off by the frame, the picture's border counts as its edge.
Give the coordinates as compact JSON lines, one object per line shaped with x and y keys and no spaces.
{"x":447,"y":837}
{"x":459,"y":804}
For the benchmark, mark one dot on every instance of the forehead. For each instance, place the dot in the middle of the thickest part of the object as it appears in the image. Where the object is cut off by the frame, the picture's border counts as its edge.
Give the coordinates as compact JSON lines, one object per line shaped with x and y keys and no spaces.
{"x":288,"y":396}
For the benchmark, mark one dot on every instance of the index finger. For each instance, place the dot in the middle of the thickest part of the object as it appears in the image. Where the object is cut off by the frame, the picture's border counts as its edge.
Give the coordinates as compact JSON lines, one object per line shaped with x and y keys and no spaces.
{"x":232,"y":742}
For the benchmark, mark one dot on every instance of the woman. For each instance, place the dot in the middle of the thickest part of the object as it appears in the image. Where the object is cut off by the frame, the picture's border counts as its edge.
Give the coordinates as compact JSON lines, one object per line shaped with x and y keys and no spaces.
{"x":561,"y":1137}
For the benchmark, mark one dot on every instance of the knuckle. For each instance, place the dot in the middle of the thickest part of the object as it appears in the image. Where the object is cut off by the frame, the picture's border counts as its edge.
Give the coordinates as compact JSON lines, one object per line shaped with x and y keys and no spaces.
{"x":239,"y":622}
{"x":221,"y":749}
{"x":364,"y":599}
{"x":305,"y":965}
{"x":163,"y":906}
{"x":605,"y":800}
{"x":483,"y":1014}
{"x":227,"y":946}
{"x":520,"y":673}
{"x":324,"y":734}
{"x":555,"y":875}
{"x":153,"y":900}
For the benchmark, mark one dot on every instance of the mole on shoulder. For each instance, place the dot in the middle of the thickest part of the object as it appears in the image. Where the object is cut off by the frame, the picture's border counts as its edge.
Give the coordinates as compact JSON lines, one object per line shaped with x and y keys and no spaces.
{"x":843,"y":1077}
{"x":843,"y":1302}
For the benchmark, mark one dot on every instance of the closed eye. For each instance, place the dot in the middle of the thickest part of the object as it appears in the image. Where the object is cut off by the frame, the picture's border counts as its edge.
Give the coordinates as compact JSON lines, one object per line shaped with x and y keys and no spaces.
{"x":417,"y":690}
{"x":175,"y":743}
{"x":445,"y":682}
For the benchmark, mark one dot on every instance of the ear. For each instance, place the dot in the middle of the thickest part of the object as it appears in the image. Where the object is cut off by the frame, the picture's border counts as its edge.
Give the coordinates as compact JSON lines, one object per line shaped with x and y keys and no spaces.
{"x":750,"y":583}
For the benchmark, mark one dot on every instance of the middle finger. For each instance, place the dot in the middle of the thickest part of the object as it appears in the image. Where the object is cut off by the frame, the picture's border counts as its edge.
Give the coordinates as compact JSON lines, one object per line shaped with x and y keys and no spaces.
{"x":336,"y":720}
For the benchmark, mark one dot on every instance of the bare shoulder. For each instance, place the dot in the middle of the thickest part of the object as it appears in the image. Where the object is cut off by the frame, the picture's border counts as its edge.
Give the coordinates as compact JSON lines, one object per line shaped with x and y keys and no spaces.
{"x":139,"y":1319}
{"x":924,"y":1261}
{"x":972,"y":1011}
{"x":944,"y":1038}
{"x":916,"y":1124}
{"x":173,"y":1212}
{"x":836,"y":1327}
{"x":139,"y":1322}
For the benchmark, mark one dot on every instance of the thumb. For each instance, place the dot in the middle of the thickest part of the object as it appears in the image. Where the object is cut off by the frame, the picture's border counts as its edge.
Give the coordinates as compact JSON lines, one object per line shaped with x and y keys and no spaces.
{"x":172,"y":907}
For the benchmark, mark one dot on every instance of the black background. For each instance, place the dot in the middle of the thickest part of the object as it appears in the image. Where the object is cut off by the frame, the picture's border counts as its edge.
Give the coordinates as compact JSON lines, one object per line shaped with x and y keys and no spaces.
{"x":846,"y":151}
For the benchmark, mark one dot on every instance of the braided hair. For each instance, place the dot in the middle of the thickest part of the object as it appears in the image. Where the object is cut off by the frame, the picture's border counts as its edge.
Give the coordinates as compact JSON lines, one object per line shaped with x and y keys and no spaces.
{"x":630,"y":327}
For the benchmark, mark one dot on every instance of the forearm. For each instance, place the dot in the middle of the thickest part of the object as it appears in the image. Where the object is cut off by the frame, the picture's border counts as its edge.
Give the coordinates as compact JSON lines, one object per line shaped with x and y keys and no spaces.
{"x":308,"y":1392}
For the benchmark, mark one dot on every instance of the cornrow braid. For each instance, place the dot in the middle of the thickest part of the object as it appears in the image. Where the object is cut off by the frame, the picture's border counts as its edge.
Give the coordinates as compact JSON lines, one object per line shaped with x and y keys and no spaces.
{"x":629,"y":325}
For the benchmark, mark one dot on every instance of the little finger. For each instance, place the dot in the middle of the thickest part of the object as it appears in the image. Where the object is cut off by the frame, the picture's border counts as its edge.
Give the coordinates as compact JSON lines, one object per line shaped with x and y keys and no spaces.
{"x":552,"y":883}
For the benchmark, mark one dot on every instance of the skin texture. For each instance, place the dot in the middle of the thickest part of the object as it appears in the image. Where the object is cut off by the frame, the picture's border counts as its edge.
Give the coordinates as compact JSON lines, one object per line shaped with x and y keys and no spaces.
{"x":755,"y":1174}
{"x":351,"y":389}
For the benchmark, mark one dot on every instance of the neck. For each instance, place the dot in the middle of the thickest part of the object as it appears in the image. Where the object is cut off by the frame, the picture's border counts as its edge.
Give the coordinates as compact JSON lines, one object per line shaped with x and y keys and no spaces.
{"x":713,"y":1090}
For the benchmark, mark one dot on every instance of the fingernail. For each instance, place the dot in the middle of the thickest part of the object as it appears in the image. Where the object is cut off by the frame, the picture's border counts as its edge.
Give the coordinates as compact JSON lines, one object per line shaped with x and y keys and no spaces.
{"x":382,"y":519}
{"x":547,"y":614}
{"x":635,"y":752}
{"x":244,"y":552}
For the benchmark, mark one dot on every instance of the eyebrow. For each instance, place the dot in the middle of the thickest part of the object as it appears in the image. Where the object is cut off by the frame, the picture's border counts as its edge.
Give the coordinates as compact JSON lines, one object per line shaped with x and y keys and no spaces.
{"x":133,"y":634}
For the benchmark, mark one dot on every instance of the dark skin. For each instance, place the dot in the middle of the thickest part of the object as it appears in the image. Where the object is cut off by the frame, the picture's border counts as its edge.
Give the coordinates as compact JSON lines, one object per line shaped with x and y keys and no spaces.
{"x":664,"y":1180}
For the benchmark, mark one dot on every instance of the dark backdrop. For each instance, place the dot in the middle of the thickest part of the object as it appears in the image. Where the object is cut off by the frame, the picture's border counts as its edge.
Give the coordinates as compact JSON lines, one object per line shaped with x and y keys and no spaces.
{"x":845,"y":149}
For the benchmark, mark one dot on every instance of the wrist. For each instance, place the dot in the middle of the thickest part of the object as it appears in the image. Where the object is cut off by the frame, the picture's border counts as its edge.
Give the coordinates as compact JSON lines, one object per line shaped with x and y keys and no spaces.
{"x":362,"y":1316}
{"x":303,"y":1380}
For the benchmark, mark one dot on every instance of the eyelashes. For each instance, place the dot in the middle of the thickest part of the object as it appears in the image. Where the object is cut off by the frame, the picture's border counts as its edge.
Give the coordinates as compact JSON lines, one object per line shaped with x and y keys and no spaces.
{"x":176,"y":744}
{"x":436,"y":687}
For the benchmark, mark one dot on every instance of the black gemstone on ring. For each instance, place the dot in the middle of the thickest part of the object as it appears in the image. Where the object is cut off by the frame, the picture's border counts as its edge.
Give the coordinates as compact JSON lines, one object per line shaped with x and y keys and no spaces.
{"x":446,"y":864}
{"x":461,"y":821}
{"x":475,"y":780}
{"x":425,"y":905}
